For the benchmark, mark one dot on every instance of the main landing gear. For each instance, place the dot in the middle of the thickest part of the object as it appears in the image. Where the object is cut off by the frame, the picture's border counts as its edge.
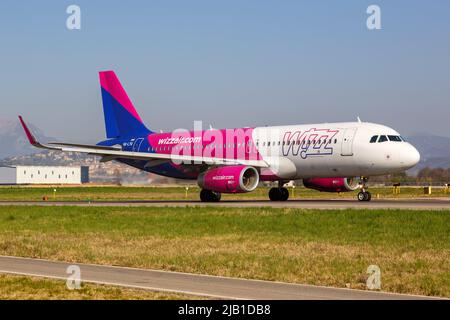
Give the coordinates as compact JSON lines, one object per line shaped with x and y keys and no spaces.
{"x":210,"y":196}
{"x":279,"y":194}
{"x":364,"y":195}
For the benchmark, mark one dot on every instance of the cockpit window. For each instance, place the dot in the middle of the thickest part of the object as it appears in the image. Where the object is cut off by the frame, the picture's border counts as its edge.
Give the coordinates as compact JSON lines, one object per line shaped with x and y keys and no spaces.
{"x":395,"y":138}
{"x":373,"y":139}
{"x":383,"y":139}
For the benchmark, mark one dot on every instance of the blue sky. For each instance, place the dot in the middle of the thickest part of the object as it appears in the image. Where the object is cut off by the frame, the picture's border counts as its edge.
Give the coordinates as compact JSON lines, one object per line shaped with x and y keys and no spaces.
{"x":229,"y":63}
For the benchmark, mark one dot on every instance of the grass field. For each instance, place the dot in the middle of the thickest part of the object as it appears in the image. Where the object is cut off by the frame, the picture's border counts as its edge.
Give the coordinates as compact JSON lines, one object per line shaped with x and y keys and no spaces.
{"x":332,"y":248}
{"x":26,"y":288}
{"x":110,"y":193}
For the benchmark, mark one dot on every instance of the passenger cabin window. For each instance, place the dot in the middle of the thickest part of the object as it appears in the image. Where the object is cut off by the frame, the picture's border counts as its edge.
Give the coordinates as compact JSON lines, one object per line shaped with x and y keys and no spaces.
{"x":383,"y":139}
{"x":373,"y":139}
{"x":395,"y":138}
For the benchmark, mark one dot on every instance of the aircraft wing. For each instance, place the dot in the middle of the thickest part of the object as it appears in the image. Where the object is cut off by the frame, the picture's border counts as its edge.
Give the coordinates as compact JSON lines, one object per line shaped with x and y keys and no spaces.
{"x":111,"y":153}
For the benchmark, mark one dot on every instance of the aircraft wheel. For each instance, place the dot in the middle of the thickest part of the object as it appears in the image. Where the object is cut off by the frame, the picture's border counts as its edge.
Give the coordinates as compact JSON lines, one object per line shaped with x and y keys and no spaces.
{"x":361,"y":196}
{"x":278,"y":194}
{"x":364,"y":196}
{"x":210,"y":196}
{"x":274,"y":194}
{"x":284,"y":194}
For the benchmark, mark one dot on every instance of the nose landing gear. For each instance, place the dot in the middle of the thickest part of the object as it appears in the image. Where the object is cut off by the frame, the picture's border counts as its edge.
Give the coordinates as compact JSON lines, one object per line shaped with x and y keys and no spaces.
{"x":364,"y":195}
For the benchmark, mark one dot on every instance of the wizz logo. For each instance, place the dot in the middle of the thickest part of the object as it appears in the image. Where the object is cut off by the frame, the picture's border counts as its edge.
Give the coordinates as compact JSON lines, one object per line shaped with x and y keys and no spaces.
{"x":309,"y":143}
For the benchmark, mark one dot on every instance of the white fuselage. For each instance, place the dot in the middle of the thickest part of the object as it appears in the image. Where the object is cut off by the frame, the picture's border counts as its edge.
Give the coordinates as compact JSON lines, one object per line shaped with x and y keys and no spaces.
{"x":333,"y":150}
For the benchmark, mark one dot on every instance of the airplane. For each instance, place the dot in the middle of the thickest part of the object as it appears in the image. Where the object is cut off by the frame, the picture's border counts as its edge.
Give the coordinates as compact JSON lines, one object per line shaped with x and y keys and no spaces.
{"x":329,"y":157}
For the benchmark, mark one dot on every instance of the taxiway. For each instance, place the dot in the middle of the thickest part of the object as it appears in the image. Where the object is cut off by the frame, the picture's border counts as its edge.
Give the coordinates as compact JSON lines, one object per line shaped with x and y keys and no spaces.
{"x":187,"y":283}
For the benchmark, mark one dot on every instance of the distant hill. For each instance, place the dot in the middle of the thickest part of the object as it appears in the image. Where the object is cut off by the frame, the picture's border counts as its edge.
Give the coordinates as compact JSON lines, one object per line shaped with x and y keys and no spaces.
{"x":434,"y":151}
{"x":13,"y":141}
{"x":431,"y":146}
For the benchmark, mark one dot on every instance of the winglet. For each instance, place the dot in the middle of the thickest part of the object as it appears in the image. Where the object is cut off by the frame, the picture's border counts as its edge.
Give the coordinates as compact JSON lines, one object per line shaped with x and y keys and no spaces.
{"x":30,"y":136}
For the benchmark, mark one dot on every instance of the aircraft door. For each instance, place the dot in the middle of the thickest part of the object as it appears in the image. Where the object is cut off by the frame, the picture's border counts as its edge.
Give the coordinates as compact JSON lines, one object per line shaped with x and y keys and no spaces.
{"x":347,"y":142}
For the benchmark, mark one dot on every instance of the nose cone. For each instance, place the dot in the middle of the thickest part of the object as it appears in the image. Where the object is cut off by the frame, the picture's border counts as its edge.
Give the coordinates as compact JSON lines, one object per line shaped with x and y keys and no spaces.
{"x":410,"y":156}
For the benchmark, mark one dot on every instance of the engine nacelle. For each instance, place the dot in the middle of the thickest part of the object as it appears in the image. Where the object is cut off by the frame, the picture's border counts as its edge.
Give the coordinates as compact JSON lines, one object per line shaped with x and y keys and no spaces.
{"x":229,"y":179}
{"x":332,"y":184}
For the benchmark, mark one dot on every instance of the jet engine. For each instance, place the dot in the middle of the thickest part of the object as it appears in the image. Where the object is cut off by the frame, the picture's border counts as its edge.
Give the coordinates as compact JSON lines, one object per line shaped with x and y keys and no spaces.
{"x":229,"y":179}
{"x":332,"y":184}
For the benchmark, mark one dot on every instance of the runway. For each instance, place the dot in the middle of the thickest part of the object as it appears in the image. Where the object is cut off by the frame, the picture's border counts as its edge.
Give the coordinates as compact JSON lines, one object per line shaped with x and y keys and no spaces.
{"x":412,"y":204}
{"x":186,"y":283}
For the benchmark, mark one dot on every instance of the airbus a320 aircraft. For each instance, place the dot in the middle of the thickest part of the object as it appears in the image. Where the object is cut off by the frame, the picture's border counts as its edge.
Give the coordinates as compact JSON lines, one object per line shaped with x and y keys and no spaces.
{"x":330,"y":157}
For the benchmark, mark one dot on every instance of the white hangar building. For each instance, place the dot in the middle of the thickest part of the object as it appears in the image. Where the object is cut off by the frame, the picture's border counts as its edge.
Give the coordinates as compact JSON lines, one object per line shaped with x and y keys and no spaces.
{"x":43,"y":175}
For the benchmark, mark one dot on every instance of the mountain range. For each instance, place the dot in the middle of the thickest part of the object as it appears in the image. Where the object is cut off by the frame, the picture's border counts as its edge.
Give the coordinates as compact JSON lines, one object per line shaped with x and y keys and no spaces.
{"x":13,"y":141}
{"x":434,"y":150}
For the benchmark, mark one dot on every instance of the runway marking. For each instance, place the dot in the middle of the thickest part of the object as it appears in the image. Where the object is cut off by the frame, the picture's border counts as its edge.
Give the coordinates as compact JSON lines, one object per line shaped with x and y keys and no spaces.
{"x":187,"y":283}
